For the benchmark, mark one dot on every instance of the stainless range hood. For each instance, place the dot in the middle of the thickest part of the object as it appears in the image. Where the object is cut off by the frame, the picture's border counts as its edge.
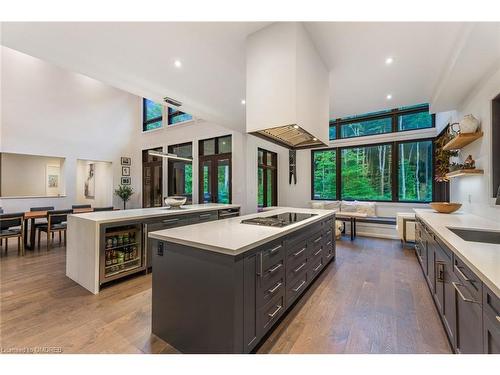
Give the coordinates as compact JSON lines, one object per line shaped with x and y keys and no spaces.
{"x":287,"y":91}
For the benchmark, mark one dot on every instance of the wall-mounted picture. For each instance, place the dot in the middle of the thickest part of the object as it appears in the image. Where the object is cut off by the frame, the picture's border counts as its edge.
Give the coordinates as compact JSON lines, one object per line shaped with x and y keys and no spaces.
{"x":126,"y":161}
{"x":53,"y":181}
{"x":53,"y":173}
{"x":89,"y":187}
{"x":125,"y":180}
{"x":125,"y":171}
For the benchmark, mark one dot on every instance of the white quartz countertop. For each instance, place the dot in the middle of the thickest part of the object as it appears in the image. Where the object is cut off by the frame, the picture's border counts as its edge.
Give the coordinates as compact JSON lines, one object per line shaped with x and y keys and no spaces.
{"x":482,"y":258}
{"x":145,"y":213}
{"x":230,"y":236}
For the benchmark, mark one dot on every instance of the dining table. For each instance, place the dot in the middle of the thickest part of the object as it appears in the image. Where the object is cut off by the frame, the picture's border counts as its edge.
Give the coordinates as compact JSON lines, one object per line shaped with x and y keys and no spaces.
{"x":351,"y":218}
{"x":31,"y":216}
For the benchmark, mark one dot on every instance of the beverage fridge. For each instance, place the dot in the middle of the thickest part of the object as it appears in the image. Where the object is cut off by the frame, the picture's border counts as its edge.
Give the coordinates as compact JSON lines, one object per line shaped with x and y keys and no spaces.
{"x":121,"y":251}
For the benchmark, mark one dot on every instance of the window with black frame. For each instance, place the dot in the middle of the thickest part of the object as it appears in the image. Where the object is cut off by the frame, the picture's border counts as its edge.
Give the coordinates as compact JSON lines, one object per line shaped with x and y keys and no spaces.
{"x":175,"y":116}
{"x":180,"y":172}
{"x":395,"y":172}
{"x":382,"y":122}
{"x":152,"y":115}
{"x":267,"y":177}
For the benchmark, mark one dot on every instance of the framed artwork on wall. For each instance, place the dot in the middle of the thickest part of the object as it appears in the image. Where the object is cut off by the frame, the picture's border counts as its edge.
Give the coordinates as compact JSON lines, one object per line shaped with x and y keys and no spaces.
{"x":126,"y":161}
{"x":125,"y":180}
{"x":89,"y":184}
{"x":125,"y":171}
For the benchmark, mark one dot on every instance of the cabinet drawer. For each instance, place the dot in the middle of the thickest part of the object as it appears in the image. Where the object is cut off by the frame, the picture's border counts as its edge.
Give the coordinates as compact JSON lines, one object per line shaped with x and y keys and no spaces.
{"x":207,"y":216}
{"x":292,"y":273}
{"x":468,"y":279}
{"x":329,"y":252}
{"x":272,"y":254}
{"x":491,"y":335}
{"x":295,"y":288}
{"x":315,"y":241}
{"x":270,"y":313}
{"x":296,"y":258}
{"x":272,"y":287}
{"x":491,"y":306}
{"x":315,"y":267}
{"x":296,"y":251}
{"x":317,"y":252}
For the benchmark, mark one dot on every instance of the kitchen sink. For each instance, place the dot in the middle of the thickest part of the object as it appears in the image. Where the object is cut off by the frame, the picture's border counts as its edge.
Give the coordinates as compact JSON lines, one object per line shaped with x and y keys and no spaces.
{"x":477,"y":235}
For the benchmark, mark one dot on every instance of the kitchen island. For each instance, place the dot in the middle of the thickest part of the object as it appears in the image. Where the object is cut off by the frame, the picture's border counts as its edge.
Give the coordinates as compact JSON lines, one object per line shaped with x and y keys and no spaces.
{"x":108,"y":245}
{"x":219,"y":287}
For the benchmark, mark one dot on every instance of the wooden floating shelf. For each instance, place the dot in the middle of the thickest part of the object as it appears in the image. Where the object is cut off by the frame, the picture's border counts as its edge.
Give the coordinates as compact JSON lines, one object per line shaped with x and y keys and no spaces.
{"x":462,"y":140}
{"x":464,"y":172}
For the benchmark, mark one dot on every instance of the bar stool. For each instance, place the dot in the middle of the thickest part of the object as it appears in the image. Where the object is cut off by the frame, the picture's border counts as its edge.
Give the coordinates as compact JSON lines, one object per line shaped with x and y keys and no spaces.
{"x":111,"y":208}
{"x":77,"y":206}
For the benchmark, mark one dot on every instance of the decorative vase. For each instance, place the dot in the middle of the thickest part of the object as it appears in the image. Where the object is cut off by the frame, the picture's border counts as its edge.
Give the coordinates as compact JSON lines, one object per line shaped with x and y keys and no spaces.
{"x":469,"y":124}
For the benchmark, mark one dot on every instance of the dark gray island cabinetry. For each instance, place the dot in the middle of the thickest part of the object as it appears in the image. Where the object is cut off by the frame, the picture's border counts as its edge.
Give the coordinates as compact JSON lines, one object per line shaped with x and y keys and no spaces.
{"x":215,"y":300}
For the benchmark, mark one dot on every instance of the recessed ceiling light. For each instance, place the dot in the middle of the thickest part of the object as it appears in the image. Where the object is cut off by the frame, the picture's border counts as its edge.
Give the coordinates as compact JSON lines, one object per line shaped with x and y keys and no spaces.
{"x":295,"y":126}
{"x":315,"y":139}
{"x":243,"y":101}
{"x":388,"y":97}
{"x":389,"y":61}
{"x":177,"y":63}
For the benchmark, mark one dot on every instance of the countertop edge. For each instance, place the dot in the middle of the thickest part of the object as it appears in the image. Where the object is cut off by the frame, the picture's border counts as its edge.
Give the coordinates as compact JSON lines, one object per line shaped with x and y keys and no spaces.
{"x":243,"y":249}
{"x":165,"y":212}
{"x":489,"y":283}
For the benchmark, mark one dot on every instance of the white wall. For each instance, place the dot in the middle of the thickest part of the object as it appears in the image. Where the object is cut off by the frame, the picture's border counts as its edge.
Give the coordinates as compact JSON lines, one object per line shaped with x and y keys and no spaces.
{"x":50,"y":111}
{"x":475,"y":192}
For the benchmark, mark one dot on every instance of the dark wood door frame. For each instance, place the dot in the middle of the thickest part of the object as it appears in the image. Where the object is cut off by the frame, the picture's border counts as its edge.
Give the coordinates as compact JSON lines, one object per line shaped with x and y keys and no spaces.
{"x":213,"y":159}
{"x":156,"y":162}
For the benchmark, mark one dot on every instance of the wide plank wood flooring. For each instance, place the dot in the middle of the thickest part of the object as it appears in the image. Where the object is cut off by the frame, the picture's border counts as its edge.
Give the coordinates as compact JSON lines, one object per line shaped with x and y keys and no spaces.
{"x":372,"y":299}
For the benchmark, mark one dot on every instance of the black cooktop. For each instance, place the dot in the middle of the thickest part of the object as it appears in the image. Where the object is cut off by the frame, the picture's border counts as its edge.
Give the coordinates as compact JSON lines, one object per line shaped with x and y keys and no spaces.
{"x":279,"y":220}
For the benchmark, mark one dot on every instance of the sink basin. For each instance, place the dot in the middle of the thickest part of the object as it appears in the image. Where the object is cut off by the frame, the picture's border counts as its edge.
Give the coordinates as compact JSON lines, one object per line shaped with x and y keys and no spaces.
{"x":477,"y":235}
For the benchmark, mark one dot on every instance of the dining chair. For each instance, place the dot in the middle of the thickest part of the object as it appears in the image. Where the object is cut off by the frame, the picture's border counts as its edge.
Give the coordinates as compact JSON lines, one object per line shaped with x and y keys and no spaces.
{"x":1,"y":212}
{"x":37,"y":222}
{"x":56,"y":222}
{"x":111,"y":208}
{"x":12,"y":226}
{"x":76,"y":206}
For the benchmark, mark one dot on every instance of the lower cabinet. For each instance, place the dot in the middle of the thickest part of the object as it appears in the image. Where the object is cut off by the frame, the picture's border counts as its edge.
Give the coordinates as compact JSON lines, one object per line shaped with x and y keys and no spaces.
{"x":278,"y":273}
{"x":470,"y":312}
{"x":491,"y":322}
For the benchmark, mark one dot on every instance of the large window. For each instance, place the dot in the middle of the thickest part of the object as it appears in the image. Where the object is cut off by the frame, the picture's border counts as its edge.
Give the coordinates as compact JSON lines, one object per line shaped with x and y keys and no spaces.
{"x":151,"y":115}
{"x":396,"y":171}
{"x":180,"y":172}
{"x":267,"y":167}
{"x":366,"y":173}
{"x":415,"y":171}
{"x":325,"y":174}
{"x":215,"y":170}
{"x":382,"y":122}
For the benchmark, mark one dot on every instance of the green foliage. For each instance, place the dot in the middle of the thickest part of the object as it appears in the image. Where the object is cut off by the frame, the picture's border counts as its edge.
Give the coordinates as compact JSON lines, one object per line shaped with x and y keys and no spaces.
{"x":124,"y":192}
{"x":153,"y":110}
{"x":324,"y":174}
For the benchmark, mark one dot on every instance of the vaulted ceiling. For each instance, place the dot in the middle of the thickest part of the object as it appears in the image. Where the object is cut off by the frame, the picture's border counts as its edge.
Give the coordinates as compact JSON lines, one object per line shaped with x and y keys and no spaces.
{"x":439,"y":63}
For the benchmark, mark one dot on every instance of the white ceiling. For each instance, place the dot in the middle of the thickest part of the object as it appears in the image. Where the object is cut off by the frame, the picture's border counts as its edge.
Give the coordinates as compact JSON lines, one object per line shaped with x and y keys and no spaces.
{"x":433,"y":62}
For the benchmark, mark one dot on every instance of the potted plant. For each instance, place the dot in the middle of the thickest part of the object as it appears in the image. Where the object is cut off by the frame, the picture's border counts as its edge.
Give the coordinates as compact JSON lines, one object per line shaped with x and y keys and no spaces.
{"x":442,"y":158}
{"x":124,"y":192}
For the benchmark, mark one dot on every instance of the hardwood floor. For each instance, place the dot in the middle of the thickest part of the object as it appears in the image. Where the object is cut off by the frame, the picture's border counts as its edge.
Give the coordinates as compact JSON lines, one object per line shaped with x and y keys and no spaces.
{"x":372,"y":299}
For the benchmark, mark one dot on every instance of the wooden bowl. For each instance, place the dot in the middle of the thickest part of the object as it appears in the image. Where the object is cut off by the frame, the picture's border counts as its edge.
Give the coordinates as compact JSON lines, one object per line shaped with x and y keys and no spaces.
{"x":445,"y":207}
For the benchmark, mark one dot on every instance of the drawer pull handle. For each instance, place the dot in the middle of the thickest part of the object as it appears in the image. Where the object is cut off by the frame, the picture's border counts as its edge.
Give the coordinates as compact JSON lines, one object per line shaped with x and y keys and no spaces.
{"x":170,"y":221}
{"x":318,"y":267}
{"x":299,"y":268}
{"x":276,"y":287}
{"x":275,"y":249}
{"x":317,"y":239}
{"x":461,"y":274}
{"x":319,"y":251}
{"x":329,"y":243}
{"x":275,"y":268}
{"x":299,"y":252}
{"x":273,"y":314}
{"x":456,"y":286}
{"x":440,"y":271}
{"x":300,"y":286}
{"x":229,"y":215}
{"x":498,"y":318}
{"x":205,"y":215}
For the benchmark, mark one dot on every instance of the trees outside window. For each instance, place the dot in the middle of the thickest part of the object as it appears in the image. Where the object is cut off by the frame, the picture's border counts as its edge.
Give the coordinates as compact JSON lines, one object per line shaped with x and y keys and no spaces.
{"x":267,"y":176}
{"x":180,"y":172}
